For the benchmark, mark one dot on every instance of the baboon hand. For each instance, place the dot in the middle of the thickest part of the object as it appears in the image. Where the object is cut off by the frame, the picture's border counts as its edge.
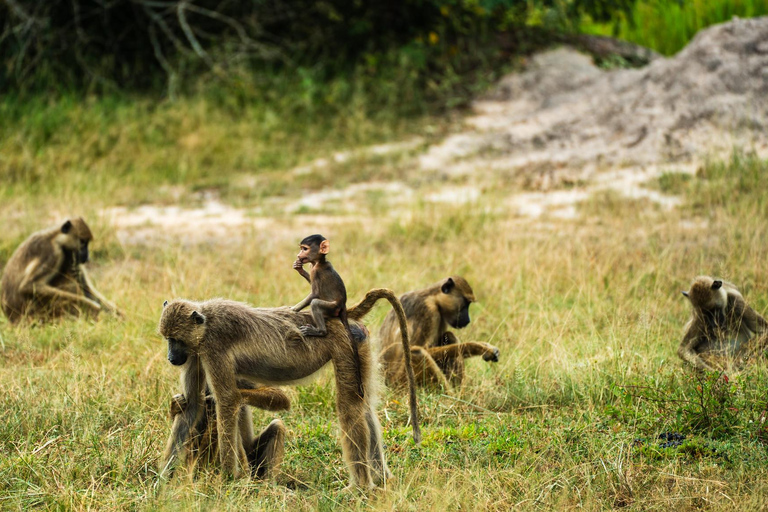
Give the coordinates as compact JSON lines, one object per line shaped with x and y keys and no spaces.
{"x":298,"y":265}
{"x":492,"y":355}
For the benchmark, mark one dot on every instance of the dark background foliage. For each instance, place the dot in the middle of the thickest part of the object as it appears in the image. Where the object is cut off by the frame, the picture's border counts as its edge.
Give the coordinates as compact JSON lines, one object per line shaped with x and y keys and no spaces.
{"x":142,"y":44}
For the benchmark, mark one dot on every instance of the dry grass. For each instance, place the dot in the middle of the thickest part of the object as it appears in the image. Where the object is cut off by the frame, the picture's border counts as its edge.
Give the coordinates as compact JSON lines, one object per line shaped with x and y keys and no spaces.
{"x":581,"y":310}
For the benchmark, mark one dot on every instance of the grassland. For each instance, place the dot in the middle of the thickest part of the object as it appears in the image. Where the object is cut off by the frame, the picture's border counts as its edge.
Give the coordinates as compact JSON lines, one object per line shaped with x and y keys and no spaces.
{"x":587,"y":313}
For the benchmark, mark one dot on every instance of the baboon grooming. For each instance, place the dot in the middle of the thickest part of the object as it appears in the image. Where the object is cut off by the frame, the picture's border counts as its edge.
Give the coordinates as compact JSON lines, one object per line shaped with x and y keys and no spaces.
{"x":264,"y":452}
{"x":221,"y":343}
{"x":46,"y":277}
{"x":438,"y":357}
{"x":722,"y":327}
{"x":328,"y":298}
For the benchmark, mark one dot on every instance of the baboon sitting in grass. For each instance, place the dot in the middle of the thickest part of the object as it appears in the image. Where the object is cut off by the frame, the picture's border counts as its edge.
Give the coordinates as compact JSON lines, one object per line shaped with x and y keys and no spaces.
{"x":723,"y":332}
{"x":437,"y":355}
{"x":46,"y":276}
{"x":264,"y":452}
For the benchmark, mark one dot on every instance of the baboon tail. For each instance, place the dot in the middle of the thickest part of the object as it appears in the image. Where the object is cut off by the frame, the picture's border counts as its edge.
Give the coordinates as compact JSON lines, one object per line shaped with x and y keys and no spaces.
{"x":362,"y":308}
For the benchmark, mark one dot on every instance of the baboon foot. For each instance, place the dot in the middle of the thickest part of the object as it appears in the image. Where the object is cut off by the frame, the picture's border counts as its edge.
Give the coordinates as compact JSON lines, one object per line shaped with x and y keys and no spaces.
{"x":492,"y":355}
{"x":311,"y":330}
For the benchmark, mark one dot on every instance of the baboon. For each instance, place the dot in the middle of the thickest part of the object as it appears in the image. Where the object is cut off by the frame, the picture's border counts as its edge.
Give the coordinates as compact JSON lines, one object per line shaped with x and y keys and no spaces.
{"x":219,"y":342}
{"x":723,"y":330}
{"x":438,"y":356}
{"x":328,"y":297}
{"x":45,"y":276}
{"x":264,"y":452}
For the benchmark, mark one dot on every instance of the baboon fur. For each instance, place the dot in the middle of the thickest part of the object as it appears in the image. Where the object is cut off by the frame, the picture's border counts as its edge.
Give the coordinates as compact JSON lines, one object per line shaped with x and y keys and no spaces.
{"x":723,"y":332}
{"x":219,"y":341}
{"x":437,"y":355}
{"x":264,"y":452}
{"x":45,"y":276}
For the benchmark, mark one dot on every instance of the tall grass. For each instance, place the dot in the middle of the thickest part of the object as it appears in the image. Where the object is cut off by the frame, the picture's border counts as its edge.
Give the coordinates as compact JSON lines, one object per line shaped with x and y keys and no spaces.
{"x":668,"y":25}
{"x":587,"y":314}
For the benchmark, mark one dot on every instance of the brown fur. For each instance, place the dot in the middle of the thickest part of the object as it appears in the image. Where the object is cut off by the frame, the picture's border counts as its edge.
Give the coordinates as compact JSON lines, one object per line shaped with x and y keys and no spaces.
{"x":721,"y":332}
{"x":264,"y":452}
{"x":437,"y":354}
{"x":328,"y":296}
{"x":45,"y":276}
{"x":219,"y":342}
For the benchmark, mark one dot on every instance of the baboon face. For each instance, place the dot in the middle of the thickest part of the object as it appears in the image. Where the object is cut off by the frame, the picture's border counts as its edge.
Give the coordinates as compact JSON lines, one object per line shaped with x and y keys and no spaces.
{"x":707,"y":294}
{"x":311,"y":249}
{"x":454,"y":301}
{"x":75,"y":236}
{"x":183,"y":327}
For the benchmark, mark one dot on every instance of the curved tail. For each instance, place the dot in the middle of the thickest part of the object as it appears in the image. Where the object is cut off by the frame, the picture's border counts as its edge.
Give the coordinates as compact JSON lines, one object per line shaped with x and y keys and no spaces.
{"x":362,"y":308}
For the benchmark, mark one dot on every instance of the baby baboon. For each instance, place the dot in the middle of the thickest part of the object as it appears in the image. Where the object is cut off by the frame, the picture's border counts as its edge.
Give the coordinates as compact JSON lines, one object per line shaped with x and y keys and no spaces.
{"x":264,"y":452}
{"x":328,"y":298}
{"x":722,"y":327}
{"x":220,"y":342}
{"x":46,"y":277}
{"x":438,"y":357}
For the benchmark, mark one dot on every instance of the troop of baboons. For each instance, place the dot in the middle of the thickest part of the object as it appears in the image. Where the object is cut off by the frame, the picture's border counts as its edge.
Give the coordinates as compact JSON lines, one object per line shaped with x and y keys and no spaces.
{"x":232,"y":355}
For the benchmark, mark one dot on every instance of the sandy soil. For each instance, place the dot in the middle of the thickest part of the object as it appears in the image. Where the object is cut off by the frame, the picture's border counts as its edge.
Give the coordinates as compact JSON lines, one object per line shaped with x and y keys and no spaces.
{"x":553,"y":135}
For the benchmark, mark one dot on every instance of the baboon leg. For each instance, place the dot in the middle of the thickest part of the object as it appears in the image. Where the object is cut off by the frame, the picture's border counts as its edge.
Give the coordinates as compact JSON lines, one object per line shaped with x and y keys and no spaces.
{"x":464,"y":350}
{"x":245,"y":425}
{"x":321,"y":309}
{"x":426,"y":369}
{"x":185,"y":423}
{"x":49,"y":292}
{"x":267,"y":398}
{"x":379,"y":470}
{"x":178,"y":405}
{"x":355,"y":433}
{"x":450,"y":356}
{"x":93,"y":294}
{"x":228,"y":404}
{"x":267,"y":451}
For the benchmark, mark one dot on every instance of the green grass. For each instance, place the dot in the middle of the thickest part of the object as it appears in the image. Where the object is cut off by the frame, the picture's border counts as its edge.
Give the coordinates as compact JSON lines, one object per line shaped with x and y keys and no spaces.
{"x":668,"y":25}
{"x":587,"y":314}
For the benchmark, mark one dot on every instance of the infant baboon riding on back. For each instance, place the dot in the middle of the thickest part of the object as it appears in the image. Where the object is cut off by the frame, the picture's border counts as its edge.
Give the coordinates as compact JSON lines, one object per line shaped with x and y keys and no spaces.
{"x":328,"y":298}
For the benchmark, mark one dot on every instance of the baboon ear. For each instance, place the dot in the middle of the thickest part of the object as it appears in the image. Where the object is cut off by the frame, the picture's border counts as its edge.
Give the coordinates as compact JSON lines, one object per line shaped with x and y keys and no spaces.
{"x":165,"y":304}
{"x":197,"y":317}
{"x":325,"y":247}
{"x":66,"y":227}
{"x":448,"y":285}
{"x":716,"y":285}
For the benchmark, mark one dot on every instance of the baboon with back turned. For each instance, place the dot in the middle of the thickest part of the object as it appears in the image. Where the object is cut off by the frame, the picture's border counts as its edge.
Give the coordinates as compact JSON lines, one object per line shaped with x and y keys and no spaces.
{"x":218,"y":342}
{"x":722,"y":329}
{"x":438,"y":356}
{"x":46,"y":275}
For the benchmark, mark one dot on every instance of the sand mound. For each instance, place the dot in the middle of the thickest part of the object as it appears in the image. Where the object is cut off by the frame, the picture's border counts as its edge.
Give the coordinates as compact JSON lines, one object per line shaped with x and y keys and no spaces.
{"x":565,"y":114}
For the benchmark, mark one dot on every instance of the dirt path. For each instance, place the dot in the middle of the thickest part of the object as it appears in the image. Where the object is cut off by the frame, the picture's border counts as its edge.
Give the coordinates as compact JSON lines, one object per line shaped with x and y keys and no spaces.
{"x":548,"y":138}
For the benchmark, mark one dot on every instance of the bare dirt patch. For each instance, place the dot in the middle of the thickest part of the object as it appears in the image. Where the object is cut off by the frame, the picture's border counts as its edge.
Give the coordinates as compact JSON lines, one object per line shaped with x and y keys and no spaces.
{"x":548,"y":138}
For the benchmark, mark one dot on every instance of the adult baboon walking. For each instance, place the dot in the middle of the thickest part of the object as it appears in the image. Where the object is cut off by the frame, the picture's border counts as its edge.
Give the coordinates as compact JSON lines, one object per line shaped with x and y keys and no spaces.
{"x":46,"y":277}
{"x":218,"y":342}
{"x":438,"y":356}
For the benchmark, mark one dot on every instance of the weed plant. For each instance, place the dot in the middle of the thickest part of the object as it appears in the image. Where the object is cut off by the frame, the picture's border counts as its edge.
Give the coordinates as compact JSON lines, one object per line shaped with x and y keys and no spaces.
{"x":668,"y":25}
